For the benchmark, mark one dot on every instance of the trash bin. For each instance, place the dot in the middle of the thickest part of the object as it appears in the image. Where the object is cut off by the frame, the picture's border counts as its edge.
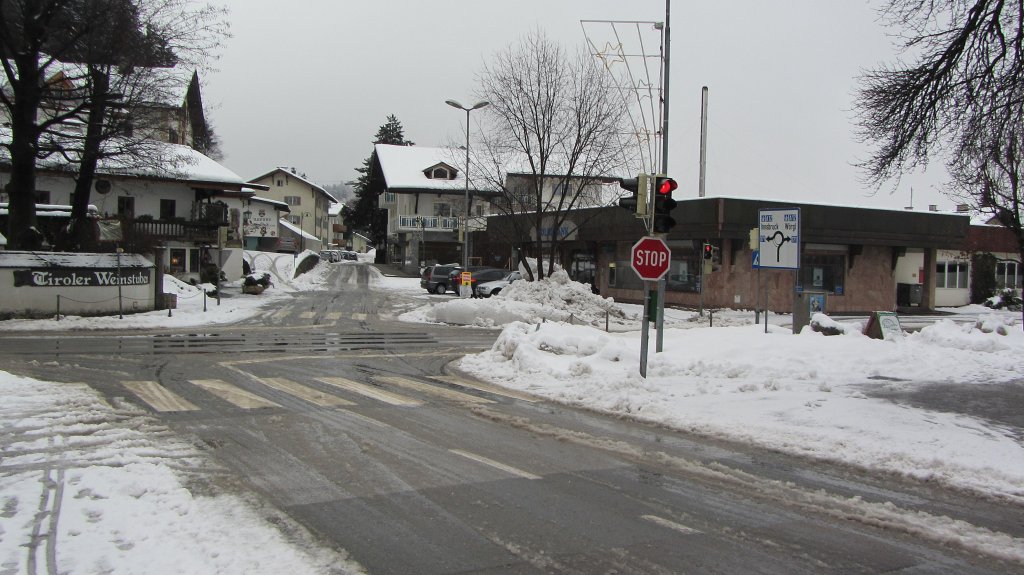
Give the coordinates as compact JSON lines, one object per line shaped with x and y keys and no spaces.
{"x":909,"y":294}
{"x":170,"y":301}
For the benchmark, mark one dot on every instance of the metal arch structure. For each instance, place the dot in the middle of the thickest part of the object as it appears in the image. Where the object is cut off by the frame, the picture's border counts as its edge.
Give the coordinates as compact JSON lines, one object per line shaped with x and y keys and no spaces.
{"x":625,"y":50}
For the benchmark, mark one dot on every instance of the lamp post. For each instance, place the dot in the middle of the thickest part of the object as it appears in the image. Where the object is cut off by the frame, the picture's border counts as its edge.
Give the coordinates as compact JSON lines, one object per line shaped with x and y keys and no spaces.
{"x":465,"y":224}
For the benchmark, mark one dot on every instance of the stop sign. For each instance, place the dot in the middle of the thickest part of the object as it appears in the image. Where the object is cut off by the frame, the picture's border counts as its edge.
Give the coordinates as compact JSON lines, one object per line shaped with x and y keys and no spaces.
{"x":650,"y":258}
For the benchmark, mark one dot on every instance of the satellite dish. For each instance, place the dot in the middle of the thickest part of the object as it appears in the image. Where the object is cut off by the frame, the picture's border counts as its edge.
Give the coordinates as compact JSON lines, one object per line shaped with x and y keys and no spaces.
{"x":102,"y":186}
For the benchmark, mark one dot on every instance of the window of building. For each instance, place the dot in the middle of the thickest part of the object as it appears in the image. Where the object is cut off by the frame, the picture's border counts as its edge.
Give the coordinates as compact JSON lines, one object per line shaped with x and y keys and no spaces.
{"x":177,"y":260}
{"x":193,"y":259}
{"x":293,"y":200}
{"x":442,"y":209}
{"x":951,"y":275}
{"x":389,"y":197}
{"x":280,"y":183}
{"x":439,"y":173}
{"x":167,"y":209}
{"x":1008,"y":275}
{"x":126,"y":207}
{"x":294,"y":219}
{"x":563,"y":189}
{"x":819,"y":272}
{"x":42,"y":197}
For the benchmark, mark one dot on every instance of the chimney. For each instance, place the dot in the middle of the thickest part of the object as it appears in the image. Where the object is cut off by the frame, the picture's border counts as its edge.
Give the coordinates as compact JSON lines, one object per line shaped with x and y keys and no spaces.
{"x":933,"y":208}
{"x":962,"y":208}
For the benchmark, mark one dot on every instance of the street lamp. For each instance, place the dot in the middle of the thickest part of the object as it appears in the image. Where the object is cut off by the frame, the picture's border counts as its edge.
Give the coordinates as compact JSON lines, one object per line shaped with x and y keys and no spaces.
{"x":465,"y":224}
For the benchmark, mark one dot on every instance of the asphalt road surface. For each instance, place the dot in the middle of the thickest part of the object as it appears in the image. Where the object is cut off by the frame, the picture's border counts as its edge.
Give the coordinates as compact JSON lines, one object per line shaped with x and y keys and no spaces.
{"x":355,"y":425}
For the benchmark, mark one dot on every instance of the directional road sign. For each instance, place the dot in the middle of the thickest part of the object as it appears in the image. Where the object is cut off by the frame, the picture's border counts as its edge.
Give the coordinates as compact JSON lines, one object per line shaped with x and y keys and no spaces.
{"x":650,"y":258}
{"x":779,"y":235}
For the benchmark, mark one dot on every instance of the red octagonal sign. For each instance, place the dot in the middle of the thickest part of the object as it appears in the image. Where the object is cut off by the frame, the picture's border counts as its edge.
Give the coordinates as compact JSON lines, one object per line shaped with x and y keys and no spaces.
{"x":650,"y":258}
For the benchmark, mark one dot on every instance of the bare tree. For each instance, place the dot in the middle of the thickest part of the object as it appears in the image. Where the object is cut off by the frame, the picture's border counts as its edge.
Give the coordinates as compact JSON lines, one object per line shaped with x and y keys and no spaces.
{"x":961,"y":99}
{"x":91,"y":63}
{"x":557,"y":119}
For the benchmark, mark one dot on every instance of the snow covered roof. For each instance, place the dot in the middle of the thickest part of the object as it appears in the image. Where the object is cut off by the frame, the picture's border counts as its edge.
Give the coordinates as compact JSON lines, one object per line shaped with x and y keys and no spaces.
{"x":277,"y":204}
{"x":168,"y":162}
{"x":403,"y":168}
{"x":293,"y":173}
{"x":295,"y":229}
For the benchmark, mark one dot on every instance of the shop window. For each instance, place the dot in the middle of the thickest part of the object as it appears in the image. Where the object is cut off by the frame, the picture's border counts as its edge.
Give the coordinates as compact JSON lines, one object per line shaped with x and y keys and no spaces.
{"x":177,"y":260}
{"x":951,"y":275}
{"x":823,"y":273}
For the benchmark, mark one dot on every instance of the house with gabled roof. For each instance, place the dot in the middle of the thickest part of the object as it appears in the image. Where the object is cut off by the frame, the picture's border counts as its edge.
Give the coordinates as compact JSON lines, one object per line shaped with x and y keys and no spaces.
{"x":309,"y":205}
{"x":426,"y":202}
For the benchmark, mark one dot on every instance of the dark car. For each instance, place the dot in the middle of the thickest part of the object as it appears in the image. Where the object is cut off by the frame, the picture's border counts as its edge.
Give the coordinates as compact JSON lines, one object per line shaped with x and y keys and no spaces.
{"x":486,"y":272}
{"x":437,"y":278}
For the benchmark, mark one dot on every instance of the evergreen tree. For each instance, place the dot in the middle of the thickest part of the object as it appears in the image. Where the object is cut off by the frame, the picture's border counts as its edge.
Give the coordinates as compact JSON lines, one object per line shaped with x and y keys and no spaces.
{"x":363,"y":213}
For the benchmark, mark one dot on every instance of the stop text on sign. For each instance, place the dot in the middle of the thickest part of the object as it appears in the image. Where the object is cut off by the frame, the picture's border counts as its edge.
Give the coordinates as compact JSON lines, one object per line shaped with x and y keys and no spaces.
{"x":651,"y":258}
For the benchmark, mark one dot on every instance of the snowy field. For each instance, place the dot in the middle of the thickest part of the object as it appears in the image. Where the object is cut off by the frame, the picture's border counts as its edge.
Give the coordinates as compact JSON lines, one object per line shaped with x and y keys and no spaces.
{"x":806,"y":394}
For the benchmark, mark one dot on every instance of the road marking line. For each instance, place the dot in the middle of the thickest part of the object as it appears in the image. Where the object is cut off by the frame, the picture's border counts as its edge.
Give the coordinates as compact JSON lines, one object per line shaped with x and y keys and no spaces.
{"x":232,"y":394}
{"x":158,"y":397}
{"x":303,"y":392}
{"x":671,"y":524}
{"x":444,"y":392}
{"x":486,"y":387}
{"x":495,"y":464}
{"x":334,"y":316}
{"x":369,"y":391}
{"x":281,"y":314}
{"x":359,"y":316}
{"x":307,"y":314}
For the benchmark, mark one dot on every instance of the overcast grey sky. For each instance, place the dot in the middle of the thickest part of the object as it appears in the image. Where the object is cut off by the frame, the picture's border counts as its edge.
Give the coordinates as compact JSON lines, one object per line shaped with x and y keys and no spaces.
{"x":307,"y":83}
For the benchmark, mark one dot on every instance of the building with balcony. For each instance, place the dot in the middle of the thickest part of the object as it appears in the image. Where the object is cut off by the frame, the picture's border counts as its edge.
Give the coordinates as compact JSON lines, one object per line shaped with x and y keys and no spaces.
{"x":309,"y":207}
{"x":424,"y":193}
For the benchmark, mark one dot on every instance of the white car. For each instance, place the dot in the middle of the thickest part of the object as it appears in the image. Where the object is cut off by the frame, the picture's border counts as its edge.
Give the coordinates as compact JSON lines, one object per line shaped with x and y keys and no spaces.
{"x":487,"y":289}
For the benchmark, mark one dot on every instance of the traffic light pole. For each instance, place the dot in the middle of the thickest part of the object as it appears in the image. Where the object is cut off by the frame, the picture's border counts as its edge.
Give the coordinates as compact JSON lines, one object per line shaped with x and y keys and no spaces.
{"x":659,"y":344}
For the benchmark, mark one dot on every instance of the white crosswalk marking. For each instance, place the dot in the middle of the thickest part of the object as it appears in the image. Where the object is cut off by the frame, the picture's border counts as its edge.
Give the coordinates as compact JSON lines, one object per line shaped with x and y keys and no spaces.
{"x":496,"y":390}
{"x":158,"y":397}
{"x":359,"y":316}
{"x":444,"y":392}
{"x":369,"y":391}
{"x":496,"y":464}
{"x":671,"y":524}
{"x":233,"y":394}
{"x":333,"y":316}
{"x":304,"y":392}
{"x":307,"y":315}
{"x":280,"y":314}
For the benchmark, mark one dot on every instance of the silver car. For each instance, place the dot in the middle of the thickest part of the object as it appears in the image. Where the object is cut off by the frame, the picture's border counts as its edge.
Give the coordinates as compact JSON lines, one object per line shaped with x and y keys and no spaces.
{"x":487,"y":289}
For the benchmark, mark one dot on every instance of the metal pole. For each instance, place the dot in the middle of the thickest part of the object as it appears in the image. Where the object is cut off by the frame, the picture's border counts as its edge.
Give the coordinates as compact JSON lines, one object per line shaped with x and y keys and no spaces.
{"x":646,"y":324}
{"x":703,"y":138}
{"x":465,"y":225}
{"x":660,"y":316}
{"x":120,"y":303}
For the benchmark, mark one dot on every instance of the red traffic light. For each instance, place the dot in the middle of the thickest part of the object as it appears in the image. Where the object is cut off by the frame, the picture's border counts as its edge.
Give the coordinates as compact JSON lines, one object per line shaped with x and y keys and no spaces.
{"x":665,"y":186}
{"x":709,"y":251}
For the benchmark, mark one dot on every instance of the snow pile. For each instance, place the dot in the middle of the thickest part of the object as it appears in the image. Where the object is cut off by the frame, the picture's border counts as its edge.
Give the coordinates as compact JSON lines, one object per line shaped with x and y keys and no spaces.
{"x":807,"y":394}
{"x":554,"y":298}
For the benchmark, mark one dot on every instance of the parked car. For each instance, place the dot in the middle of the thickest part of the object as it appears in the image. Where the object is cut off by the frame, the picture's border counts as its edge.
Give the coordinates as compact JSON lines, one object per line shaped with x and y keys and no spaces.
{"x":330,"y":255}
{"x":437,"y":278}
{"x":489,"y":288}
{"x":349,"y":256}
{"x":479,"y":273}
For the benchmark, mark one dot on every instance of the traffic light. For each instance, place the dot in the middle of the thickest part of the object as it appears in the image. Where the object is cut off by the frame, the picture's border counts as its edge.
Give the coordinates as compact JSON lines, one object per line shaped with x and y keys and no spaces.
{"x":663,"y":204}
{"x":637,"y":203}
{"x":709,"y":251}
